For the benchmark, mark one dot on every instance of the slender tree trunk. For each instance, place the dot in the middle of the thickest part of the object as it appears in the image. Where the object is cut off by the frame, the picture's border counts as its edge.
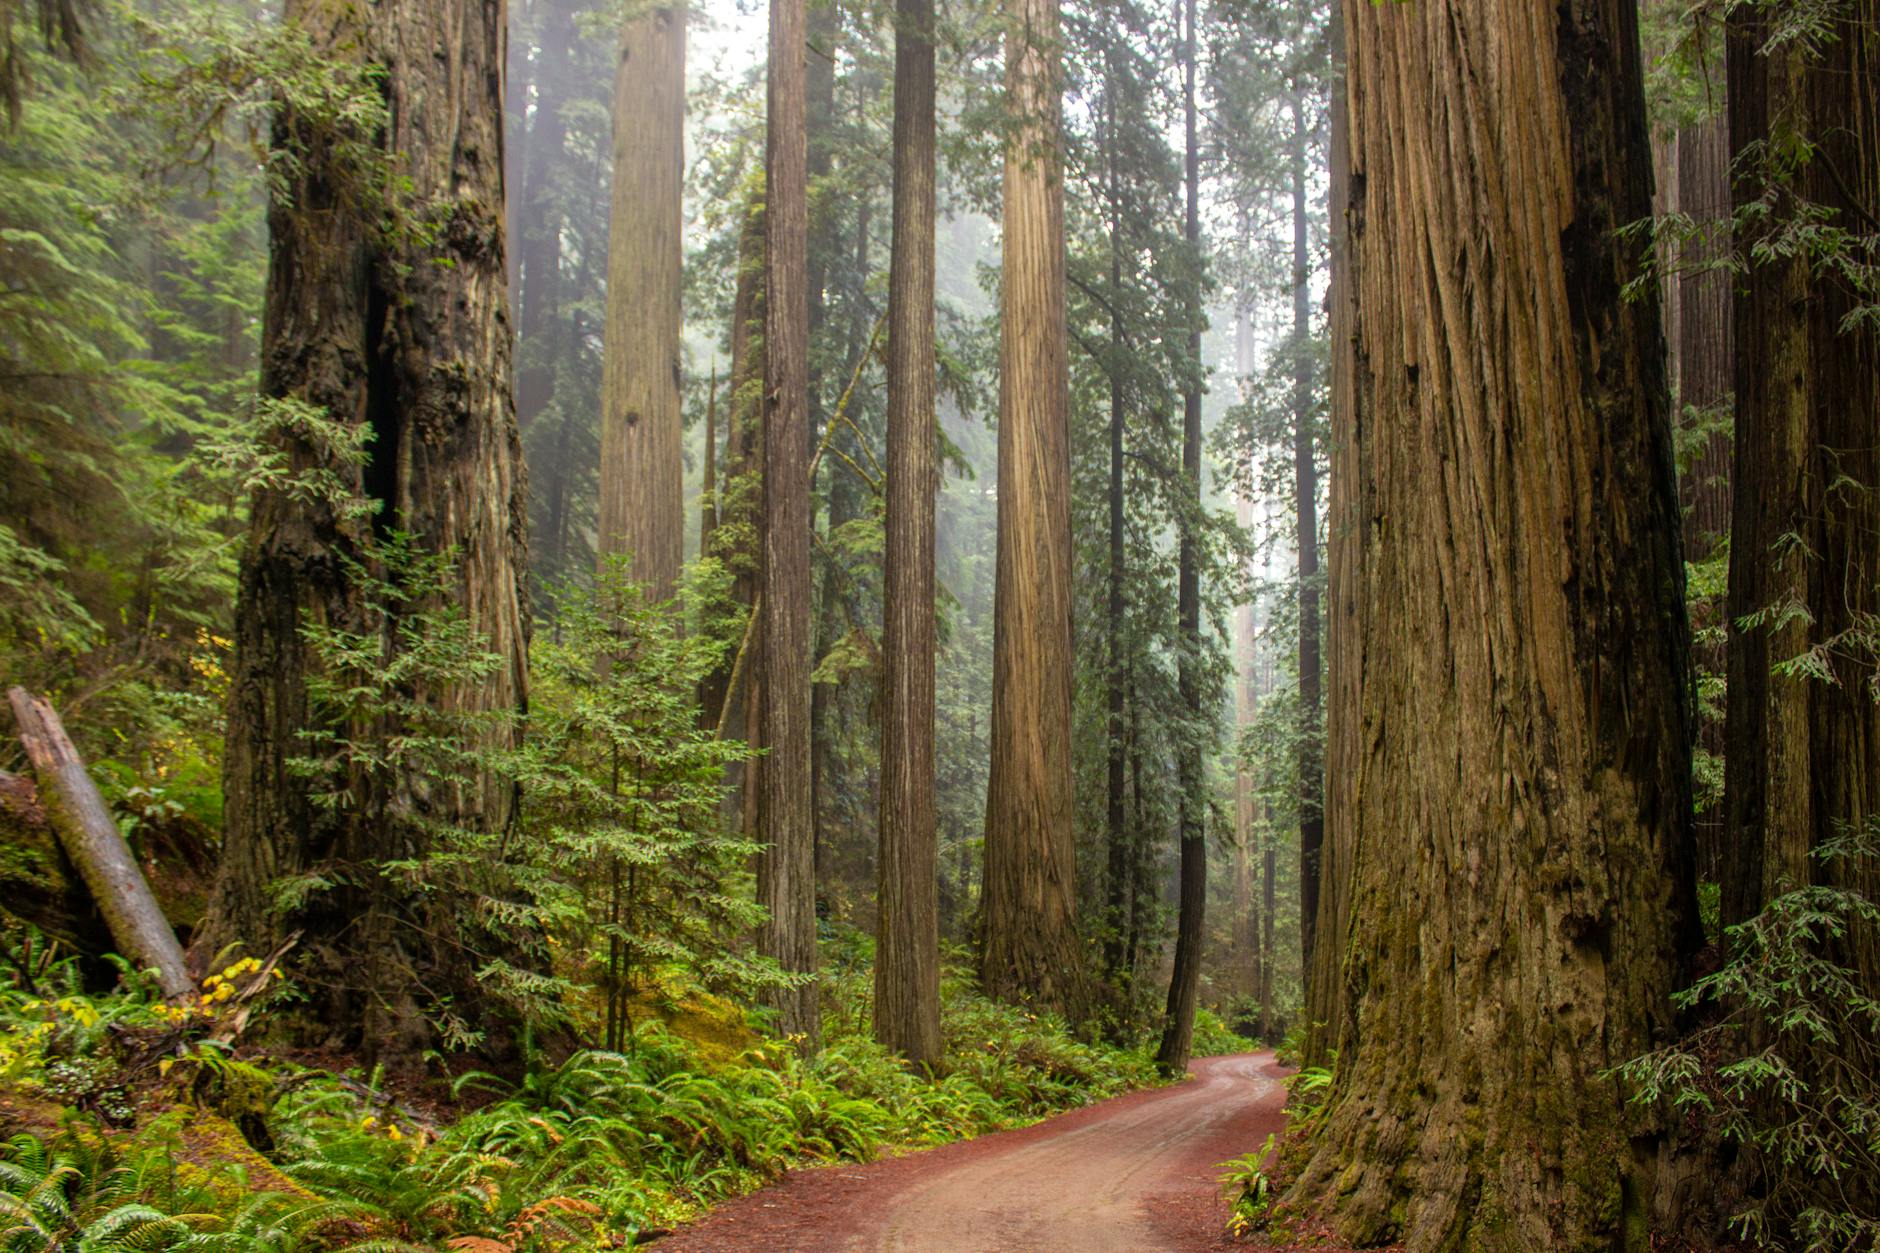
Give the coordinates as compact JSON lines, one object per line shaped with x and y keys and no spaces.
{"x":786,"y":878}
{"x":1306,"y":541}
{"x":537,"y":230}
{"x":1325,"y":1002}
{"x":642,"y":488}
{"x":1030,"y":937}
{"x":1804,"y":752}
{"x":407,"y":335}
{"x":907,"y":960}
{"x":1116,"y":828}
{"x":1521,"y":799}
{"x":1184,"y":990}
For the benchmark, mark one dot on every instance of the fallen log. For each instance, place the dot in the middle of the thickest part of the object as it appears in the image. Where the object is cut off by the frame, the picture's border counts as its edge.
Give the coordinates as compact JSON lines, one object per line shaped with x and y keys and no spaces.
{"x":38,"y":882}
{"x":91,"y":838}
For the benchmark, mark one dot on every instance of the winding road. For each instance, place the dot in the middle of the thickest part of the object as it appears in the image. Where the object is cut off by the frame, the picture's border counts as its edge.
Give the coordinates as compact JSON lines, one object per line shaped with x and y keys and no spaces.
{"x":1130,"y":1174}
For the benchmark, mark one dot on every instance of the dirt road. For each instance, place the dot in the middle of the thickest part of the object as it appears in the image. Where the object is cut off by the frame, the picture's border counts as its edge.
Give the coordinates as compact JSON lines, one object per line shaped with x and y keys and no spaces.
{"x":1127,"y":1175}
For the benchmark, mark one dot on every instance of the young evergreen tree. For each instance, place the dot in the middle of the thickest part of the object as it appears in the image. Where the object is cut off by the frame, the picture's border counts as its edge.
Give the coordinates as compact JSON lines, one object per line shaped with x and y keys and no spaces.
{"x":1030,"y":949}
{"x":1521,"y":827}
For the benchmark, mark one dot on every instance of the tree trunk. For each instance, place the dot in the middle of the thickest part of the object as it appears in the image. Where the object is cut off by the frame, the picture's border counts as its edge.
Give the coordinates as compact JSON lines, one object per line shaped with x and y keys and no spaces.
{"x":90,"y":837}
{"x":1520,"y":795}
{"x":1115,"y":677}
{"x":1804,"y":751}
{"x":1029,"y":909}
{"x":1325,"y":1002}
{"x":786,"y":878}
{"x":642,"y":455}
{"x":1306,"y":541}
{"x":907,"y":958}
{"x":1184,"y":989}
{"x":405,"y":332}
{"x":538,"y":229}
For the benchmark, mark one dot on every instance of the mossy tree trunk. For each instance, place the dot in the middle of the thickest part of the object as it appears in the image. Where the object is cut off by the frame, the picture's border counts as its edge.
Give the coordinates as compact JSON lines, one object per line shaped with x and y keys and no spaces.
{"x":1519,"y":789}
{"x":403,"y":330}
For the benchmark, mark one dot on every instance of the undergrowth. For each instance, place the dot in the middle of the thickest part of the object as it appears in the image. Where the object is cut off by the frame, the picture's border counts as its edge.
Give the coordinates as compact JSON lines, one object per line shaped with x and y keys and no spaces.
{"x":594,"y":1150}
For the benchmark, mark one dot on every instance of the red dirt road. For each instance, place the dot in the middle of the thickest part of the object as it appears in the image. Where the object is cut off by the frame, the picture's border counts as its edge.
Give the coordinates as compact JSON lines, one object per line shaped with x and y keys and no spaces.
{"x":1130,"y":1174}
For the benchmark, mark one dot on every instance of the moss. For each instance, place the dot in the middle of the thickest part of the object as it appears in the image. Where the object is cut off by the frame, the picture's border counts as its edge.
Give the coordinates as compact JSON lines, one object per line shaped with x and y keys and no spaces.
{"x":711,"y":1024}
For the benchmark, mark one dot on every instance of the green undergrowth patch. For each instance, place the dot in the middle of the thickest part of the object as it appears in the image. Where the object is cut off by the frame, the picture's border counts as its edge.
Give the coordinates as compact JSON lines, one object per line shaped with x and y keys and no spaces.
{"x":586,"y":1151}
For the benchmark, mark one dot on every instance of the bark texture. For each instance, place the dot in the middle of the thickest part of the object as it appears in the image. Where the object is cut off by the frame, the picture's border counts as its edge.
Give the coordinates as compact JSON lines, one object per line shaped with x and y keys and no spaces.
{"x":1030,"y":940}
{"x":404,"y":331}
{"x":786,"y":824}
{"x":907,"y":954}
{"x":642,"y":480}
{"x":1518,"y":786}
{"x":91,"y":839}
{"x":1804,"y":750}
{"x":1178,"y":1031}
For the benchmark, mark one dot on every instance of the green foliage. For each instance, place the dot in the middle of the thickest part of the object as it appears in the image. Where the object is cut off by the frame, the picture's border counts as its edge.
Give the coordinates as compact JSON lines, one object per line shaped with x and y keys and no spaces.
{"x":1213,"y":1038}
{"x":1247,"y":1184}
{"x":1787,"y":1068}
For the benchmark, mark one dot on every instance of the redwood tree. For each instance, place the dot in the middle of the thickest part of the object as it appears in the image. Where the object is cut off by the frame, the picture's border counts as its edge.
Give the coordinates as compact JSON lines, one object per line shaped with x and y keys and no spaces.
{"x":1029,"y":903}
{"x":907,"y":953}
{"x":642,"y":458}
{"x":1519,"y":796}
{"x":1178,"y":1029}
{"x":366,"y":323}
{"x":786,"y":871}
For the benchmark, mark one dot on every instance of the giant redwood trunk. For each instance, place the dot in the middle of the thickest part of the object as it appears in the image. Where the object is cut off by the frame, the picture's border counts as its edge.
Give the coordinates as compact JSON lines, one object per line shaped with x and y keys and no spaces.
{"x":403,"y":331}
{"x":1804,"y":747}
{"x":1030,"y":941}
{"x":786,"y":872}
{"x":642,"y":478}
{"x":1178,"y":1030}
{"x":1519,"y":794}
{"x":907,"y":954}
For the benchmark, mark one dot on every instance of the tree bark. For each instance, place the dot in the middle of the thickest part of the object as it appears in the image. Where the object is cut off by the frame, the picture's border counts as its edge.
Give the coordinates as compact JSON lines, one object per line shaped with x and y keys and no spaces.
{"x":1184,"y":989}
{"x":90,"y":837}
{"x":403,"y":330}
{"x":1520,"y":797}
{"x":1116,"y":674}
{"x":907,"y":956}
{"x":786,"y":873}
{"x":1030,"y":950}
{"x":642,"y":481}
{"x":1803,"y":760}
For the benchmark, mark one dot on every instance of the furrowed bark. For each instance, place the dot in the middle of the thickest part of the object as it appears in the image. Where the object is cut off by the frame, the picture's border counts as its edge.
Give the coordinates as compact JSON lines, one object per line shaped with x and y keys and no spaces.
{"x":1520,"y":797}
{"x":907,"y":958}
{"x":1030,"y":951}
{"x":642,"y":479}
{"x":786,"y":824}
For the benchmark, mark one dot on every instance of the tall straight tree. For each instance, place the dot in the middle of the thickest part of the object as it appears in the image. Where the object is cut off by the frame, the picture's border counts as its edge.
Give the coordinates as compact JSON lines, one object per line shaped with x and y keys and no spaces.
{"x":1306,"y":542}
{"x":642,"y":478}
{"x":1029,"y":902}
{"x":907,"y":953}
{"x":1803,"y":754}
{"x":1178,"y":1031}
{"x":369,"y":327}
{"x":787,"y":871}
{"x":1521,"y":801}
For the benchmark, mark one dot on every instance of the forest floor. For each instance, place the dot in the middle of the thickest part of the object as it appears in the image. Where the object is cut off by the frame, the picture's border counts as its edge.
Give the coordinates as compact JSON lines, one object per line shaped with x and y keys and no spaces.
{"x":1135,"y":1173}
